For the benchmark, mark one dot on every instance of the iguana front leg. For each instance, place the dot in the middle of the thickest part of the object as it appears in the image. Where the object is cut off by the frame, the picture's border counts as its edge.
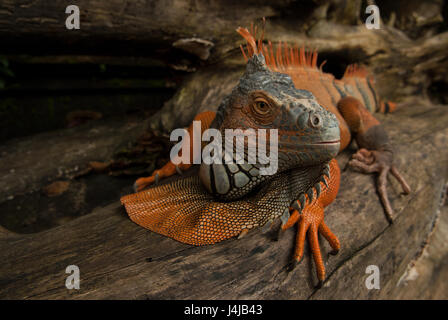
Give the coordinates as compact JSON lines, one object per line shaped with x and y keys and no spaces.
{"x":309,"y":214}
{"x":375,"y":154}
{"x":170,"y":168}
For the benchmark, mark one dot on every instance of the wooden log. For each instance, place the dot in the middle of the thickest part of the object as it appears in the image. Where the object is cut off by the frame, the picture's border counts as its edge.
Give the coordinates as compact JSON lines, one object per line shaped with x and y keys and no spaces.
{"x":29,"y":164}
{"x":149,"y":25}
{"x":425,"y":276}
{"x":118,"y":259}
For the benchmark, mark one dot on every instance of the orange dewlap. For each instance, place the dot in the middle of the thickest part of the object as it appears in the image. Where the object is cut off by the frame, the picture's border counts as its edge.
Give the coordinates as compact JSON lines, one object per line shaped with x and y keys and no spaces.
{"x":185,"y":211}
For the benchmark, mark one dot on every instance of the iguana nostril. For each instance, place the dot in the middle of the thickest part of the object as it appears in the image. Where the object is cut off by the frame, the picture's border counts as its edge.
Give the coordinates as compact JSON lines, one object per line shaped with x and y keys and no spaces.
{"x":315,"y":120}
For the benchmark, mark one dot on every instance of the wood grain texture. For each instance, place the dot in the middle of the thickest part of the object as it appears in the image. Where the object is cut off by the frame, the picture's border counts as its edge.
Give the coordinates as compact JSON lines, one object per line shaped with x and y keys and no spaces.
{"x":148,"y":24}
{"x":118,"y":259}
{"x":24,"y":162}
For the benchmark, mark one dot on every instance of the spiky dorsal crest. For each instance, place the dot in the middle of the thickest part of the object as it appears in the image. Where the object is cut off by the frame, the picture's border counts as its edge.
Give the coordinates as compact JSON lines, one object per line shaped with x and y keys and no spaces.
{"x":282,"y":57}
{"x":357,"y":71}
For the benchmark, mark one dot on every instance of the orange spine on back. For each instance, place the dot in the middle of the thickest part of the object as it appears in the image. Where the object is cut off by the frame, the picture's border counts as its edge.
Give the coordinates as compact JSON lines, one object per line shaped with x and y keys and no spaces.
{"x":284,"y":56}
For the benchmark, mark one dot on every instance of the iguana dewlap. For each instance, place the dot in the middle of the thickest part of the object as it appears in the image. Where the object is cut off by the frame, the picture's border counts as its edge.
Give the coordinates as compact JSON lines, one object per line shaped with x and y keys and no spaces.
{"x":315,"y":115}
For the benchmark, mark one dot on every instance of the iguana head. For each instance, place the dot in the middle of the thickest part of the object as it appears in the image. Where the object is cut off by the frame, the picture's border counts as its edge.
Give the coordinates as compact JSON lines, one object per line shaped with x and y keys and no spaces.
{"x":308,"y":135}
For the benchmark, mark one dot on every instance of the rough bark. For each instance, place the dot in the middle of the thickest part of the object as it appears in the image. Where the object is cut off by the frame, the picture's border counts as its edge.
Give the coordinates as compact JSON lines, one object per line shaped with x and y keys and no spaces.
{"x":28,"y":164}
{"x":149,"y":25}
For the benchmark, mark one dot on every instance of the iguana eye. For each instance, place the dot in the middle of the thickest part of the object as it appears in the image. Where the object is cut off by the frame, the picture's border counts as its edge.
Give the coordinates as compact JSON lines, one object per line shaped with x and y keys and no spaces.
{"x":261,"y":106}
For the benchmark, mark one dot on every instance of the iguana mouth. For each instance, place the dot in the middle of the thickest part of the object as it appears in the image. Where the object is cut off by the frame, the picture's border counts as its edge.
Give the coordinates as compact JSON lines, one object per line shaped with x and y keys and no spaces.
{"x":330,"y":142}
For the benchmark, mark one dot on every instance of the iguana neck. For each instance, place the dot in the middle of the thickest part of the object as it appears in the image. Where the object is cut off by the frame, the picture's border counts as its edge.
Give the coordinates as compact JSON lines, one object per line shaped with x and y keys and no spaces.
{"x":232,"y":181}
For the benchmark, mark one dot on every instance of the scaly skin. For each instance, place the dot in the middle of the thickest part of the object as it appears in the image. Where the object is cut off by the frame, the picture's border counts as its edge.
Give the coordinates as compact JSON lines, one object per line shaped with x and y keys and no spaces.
{"x":316,"y":117}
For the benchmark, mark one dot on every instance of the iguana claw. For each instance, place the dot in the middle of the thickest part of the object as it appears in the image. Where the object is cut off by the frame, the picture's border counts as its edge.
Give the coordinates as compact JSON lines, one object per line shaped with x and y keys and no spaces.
{"x":381,"y":162}
{"x":179,"y":171}
{"x":166,"y":171}
{"x":144,"y":182}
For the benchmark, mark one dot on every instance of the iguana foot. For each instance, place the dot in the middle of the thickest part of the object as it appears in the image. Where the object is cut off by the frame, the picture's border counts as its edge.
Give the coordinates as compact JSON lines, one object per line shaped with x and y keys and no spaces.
{"x":308,"y":213}
{"x":166,"y":171}
{"x":311,"y":221}
{"x":143,"y":182}
{"x":380,"y":162}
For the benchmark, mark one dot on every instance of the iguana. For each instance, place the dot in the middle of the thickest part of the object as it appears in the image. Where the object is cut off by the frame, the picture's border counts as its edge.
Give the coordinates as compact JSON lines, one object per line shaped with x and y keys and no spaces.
{"x":316,"y":117}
